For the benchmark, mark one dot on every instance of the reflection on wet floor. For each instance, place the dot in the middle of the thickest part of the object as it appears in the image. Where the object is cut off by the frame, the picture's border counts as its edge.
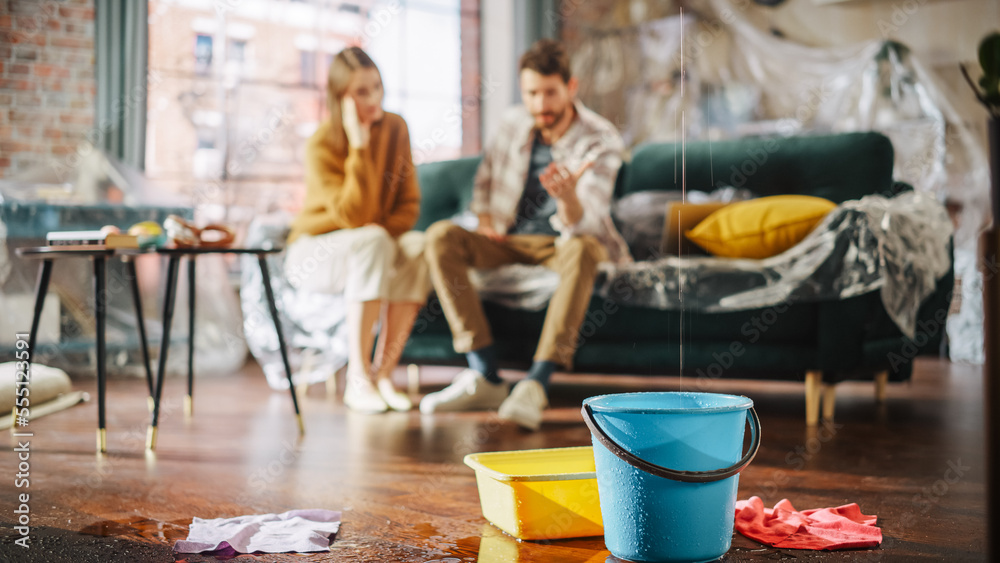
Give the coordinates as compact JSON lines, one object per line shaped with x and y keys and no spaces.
{"x":406,"y":496}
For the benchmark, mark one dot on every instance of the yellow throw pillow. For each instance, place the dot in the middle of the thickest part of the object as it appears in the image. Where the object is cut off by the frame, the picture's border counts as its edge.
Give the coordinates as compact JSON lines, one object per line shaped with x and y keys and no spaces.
{"x":760,"y":228}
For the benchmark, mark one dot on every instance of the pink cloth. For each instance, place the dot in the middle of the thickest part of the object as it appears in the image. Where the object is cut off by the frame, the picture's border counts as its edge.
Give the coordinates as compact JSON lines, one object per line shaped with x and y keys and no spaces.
{"x":842,"y":527}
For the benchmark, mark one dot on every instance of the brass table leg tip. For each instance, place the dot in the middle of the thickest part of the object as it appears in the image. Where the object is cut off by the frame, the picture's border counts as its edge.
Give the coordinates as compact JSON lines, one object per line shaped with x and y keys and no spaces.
{"x":188,"y":406}
{"x":102,"y":440}
{"x":151,"y":438}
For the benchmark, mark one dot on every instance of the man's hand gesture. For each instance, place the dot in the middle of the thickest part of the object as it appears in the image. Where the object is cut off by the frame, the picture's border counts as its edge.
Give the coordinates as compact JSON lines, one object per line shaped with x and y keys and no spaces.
{"x":560,"y":182}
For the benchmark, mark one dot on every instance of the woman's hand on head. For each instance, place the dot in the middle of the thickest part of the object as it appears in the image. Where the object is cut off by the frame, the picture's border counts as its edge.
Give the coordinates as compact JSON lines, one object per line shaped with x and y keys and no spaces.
{"x":357,"y":131}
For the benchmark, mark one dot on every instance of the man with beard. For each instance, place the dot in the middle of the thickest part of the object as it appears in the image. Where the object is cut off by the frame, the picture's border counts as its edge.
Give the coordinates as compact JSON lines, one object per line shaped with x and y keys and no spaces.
{"x":542,"y":195}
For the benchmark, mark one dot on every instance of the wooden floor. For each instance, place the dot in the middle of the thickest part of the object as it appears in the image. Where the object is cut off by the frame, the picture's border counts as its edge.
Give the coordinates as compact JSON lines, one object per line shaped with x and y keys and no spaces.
{"x":406,"y":495}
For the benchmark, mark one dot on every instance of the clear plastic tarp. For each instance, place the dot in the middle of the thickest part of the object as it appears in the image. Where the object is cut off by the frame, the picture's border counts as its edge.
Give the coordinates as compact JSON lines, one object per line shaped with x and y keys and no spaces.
{"x":739,"y":81}
{"x":86,"y":190}
{"x":898,"y":246}
{"x":312,"y":323}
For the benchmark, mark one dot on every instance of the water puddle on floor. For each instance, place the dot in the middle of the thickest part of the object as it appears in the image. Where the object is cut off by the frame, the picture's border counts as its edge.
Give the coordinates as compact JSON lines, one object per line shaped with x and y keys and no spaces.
{"x":142,"y":528}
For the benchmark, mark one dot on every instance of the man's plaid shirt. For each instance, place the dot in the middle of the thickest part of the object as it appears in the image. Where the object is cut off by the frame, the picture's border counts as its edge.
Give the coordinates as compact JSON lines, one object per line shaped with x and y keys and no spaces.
{"x":503,"y":173}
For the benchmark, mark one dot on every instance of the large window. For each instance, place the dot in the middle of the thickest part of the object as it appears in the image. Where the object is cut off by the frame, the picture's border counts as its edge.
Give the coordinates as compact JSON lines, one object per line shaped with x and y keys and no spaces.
{"x":237,"y":86}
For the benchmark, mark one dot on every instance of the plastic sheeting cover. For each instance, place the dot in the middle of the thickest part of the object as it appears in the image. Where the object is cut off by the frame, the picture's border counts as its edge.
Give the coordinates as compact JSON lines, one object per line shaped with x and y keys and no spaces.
{"x":898,"y":246}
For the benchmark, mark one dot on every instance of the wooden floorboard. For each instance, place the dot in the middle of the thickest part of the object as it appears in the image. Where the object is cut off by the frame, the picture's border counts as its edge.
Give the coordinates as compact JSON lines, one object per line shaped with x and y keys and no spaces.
{"x":406,"y":495}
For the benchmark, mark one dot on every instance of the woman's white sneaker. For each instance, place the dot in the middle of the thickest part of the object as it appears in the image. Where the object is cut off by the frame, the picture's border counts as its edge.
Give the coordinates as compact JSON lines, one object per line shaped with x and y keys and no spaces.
{"x":396,"y":400}
{"x":360,"y":395}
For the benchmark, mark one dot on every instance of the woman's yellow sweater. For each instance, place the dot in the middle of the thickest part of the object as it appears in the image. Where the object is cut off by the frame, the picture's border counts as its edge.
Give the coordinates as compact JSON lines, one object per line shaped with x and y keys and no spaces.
{"x":357,"y":187}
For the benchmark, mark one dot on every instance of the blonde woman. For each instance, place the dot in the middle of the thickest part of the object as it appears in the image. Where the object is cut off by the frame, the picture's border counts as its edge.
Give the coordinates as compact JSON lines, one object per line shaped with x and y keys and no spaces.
{"x":353,"y":233}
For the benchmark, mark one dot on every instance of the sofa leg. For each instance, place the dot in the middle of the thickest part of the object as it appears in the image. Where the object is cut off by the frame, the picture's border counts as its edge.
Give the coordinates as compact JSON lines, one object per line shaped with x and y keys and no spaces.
{"x":413,"y":378}
{"x":881,"y":382}
{"x":813,"y":392}
{"x":829,"y":393}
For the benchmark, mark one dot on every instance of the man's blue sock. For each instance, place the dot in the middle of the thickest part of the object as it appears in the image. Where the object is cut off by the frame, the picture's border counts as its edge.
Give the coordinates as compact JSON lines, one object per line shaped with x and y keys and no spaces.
{"x":484,"y":360}
{"x":541,"y":371}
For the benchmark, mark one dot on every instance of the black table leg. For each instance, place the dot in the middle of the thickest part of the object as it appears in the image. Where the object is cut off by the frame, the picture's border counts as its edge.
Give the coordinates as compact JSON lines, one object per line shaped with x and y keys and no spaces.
{"x":189,"y":400}
{"x":168,"y":315}
{"x":41,"y":289}
{"x":141,"y":323}
{"x":266,"y":278}
{"x":100,"y":308}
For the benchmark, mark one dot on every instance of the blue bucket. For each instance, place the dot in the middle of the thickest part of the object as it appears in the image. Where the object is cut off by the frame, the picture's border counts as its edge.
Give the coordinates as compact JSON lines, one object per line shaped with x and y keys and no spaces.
{"x":668,"y":469}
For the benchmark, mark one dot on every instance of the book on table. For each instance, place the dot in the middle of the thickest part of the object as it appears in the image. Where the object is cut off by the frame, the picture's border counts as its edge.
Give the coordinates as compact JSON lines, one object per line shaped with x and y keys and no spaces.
{"x":91,"y":240}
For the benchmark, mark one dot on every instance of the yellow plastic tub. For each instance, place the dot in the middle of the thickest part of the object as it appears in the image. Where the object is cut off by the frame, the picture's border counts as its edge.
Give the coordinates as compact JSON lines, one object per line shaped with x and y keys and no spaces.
{"x":540,"y":494}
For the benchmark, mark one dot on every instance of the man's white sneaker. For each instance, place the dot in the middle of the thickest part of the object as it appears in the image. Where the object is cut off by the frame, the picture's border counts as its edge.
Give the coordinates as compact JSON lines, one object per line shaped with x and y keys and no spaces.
{"x":469,"y":391}
{"x":397,"y":400}
{"x":525,"y":404}
{"x":360,"y":395}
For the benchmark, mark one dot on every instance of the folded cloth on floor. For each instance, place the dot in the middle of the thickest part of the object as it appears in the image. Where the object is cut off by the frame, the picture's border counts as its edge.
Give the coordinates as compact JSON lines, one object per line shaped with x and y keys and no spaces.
{"x":300,"y":531}
{"x":842,"y":527}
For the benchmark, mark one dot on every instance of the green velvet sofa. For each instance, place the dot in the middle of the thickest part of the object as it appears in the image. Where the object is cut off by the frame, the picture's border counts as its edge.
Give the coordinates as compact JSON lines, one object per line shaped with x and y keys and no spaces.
{"x":820,"y":343}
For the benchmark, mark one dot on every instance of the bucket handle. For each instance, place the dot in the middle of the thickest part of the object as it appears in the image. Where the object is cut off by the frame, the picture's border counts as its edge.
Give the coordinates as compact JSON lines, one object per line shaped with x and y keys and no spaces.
{"x":675,"y":474}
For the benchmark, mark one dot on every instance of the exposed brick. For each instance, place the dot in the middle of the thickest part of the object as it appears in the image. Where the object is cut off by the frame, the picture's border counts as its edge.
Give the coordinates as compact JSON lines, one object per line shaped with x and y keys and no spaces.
{"x":27,"y":162}
{"x":27,"y":39}
{"x":5,"y":101}
{"x":8,"y":146}
{"x":74,"y":13}
{"x":77,"y":58}
{"x":52,"y":133}
{"x":27,"y":132}
{"x":76,"y":118}
{"x":6,"y":132}
{"x":63,"y":149}
{"x":51,"y":70}
{"x":52,"y":84}
{"x":17,"y":84}
{"x":73,"y":42}
{"x":27,"y":100}
{"x":81,"y":104}
{"x":1,"y":67}
{"x":83,"y":28}
{"x":30,"y":7}
{"x":4,"y":162}
{"x":5,"y":22}
{"x":19,"y":69}
{"x":22,"y":116}
{"x":25,"y":53}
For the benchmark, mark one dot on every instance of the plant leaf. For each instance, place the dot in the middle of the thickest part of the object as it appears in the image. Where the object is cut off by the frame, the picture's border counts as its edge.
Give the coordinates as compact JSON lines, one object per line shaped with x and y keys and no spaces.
{"x":989,"y":55}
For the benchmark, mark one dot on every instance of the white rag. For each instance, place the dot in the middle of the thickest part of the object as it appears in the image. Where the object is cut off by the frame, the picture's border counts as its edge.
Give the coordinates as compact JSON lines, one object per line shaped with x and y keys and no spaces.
{"x":293,"y":531}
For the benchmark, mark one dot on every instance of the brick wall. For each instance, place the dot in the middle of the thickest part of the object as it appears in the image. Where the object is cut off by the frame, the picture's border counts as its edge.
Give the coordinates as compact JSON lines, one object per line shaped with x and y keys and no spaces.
{"x":47,"y":84}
